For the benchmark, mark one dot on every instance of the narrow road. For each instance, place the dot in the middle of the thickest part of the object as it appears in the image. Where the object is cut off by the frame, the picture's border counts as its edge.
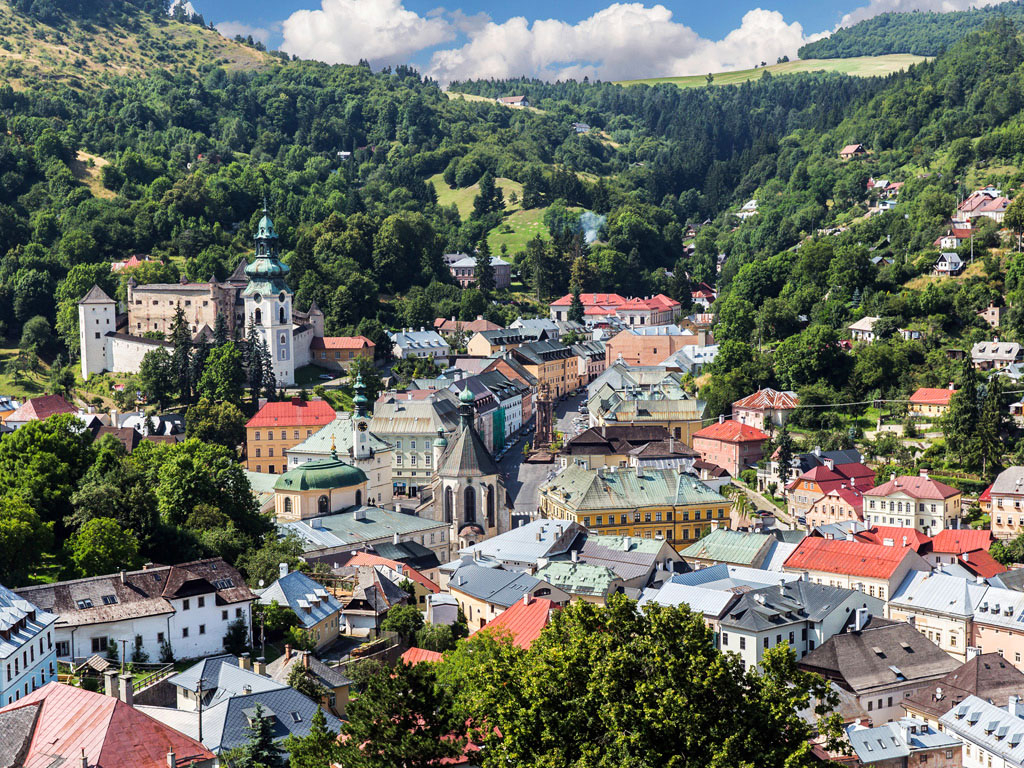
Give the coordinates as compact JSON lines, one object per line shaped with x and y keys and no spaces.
{"x":786,"y":522}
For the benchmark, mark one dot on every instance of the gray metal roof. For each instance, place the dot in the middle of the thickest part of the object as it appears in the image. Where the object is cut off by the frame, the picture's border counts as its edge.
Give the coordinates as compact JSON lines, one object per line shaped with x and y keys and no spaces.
{"x":307,"y":598}
{"x":711,"y":602}
{"x":492,"y":585}
{"x":340,"y":432}
{"x":281,"y":667}
{"x":345,"y":529}
{"x":896,"y":740}
{"x":927,"y":591}
{"x":790,"y":603}
{"x":725,"y":576}
{"x":226,"y":725}
{"x":538,"y":538}
{"x":992,"y":728}
{"x":222,"y":681}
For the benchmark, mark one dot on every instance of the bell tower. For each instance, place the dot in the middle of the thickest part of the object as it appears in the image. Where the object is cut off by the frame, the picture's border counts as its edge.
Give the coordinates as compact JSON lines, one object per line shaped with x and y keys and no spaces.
{"x":268,"y":302}
{"x":361,"y":422}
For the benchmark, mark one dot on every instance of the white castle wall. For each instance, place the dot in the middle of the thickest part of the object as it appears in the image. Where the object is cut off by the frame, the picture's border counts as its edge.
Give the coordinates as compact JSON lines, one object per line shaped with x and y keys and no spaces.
{"x":126,"y":354}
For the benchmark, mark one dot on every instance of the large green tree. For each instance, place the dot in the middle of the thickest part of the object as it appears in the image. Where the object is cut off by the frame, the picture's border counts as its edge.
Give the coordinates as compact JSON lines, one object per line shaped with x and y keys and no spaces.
{"x":101,"y":546}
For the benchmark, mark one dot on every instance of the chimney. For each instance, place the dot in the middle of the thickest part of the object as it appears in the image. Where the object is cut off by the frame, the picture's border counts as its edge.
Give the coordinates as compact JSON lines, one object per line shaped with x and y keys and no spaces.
{"x":243,"y":661}
{"x":282,"y":570}
{"x":394,"y":539}
{"x":172,"y":760}
{"x":721,"y":418}
{"x":246,"y":689}
{"x":123,"y":579}
{"x":83,"y":761}
{"x":980,"y":579}
{"x":849,"y":535}
{"x":575,"y":555}
{"x":287,"y":651}
{"x":966,"y":557}
{"x":904,"y":542}
{"x":305,"y":659}
{"x":110,"y":682}
{"x":924,"y":472}
{"x":260,"y":667}
{"x":127,"y":692}
{"x":892,"y":477}
{"x":860,"y":619}
{"x":951,"y":387}
{"x":526,"y":598}
{"x":1015,"y":706}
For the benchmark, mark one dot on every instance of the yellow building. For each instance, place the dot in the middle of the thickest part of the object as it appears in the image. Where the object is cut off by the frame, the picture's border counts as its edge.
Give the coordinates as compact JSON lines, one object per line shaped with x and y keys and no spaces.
{"x":643,"y":502}
{"x":551,"y":363}
{"x":483,"y":593}
{"x":280,"y":426}
{"x":487,"y":343}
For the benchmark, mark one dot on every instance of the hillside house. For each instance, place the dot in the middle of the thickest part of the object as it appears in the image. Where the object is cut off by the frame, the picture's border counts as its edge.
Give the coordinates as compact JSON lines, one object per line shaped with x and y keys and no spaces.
{"x":516,"y":102}
{"x":949,"y":264}
{"x":851,"y":151}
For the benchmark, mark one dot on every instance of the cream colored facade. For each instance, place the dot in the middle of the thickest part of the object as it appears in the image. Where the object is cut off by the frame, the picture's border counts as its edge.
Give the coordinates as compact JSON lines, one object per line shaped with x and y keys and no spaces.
{"x":950,"y":632}
{"x":479,"y":612}
{"x":302,"y":505}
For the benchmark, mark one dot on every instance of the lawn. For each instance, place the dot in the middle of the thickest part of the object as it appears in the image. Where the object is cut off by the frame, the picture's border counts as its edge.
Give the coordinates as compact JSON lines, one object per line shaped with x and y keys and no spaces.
{"x":30,"y":385}
{"x":463,"y":198}
{"x":525,"y":225}
{"x":860,"y":66}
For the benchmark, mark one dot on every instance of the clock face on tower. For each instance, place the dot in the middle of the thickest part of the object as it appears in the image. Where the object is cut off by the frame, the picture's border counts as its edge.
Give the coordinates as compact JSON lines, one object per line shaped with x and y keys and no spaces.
{"x":361,"y":426}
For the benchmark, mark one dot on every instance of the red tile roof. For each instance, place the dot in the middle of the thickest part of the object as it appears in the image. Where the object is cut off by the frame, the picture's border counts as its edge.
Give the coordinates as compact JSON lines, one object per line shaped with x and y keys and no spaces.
{"x":293,"y":413}
{"x":916,"y":487}
{"x":368,"y":558}
{"x":112,"y":734}
{"x":850,"y":558}
{"x":981,"y":563}
{"x":986,"y":495}
{"x":414,"y":656}
{"x":958,"y":541}
{"x":39,"y":408}
{"x":930,"y":396}
{"x":342,"y":342}
{"x":915,"y":540}
{"x":851,"y":496}
{"x":821,"y":474}
{"x":765,"y":399}
{"x":590,"y":299}
{"x":731,"y":431}
{"x":523,"y":621}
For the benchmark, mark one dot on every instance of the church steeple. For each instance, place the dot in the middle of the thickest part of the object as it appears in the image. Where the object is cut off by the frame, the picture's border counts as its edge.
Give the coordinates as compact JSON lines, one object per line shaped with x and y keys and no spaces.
{"x":360,"y":400}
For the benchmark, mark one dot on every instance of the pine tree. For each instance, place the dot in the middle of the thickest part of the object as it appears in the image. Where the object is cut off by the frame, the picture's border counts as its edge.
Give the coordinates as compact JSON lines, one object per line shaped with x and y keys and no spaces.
{"x":200,"y":351}
{"x":181,"y":358}
{"x":785,"y":458}
{"x":260,"y":751}
{"x":992,"y":423}
{"x":266,"y":364}
{"x":220,"y":330}
{"x":253,"y":360}
{"x":960,"y":424}
{"x":576,"y":307}
{"x":318,"y":749}
{"x":484,"y":269}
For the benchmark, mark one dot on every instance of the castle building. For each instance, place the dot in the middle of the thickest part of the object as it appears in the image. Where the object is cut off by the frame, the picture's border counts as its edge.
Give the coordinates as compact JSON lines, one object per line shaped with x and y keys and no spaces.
{"x":468,"y":492}
{"x":255,"y":295}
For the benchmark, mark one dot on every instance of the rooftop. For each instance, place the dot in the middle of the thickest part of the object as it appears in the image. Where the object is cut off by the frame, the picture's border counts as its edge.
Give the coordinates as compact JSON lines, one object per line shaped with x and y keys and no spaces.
{"x":580,"y":578}
{"x":293,"y":413}
{"x":769,"y":399}
{"x":916,"y":487}
{"x":523,"y":620}
{"x":993,"y":729}
{"x":731,"y":431}
{"x":585,"y":490}
{"x":733,"y":547}
{"x":851,"y":558}
{"x":360,"y":526}
{"x":932,"y":396}
{"x":307,"y":598}
{"x":492,"y":585}
{"x":987,"y":675}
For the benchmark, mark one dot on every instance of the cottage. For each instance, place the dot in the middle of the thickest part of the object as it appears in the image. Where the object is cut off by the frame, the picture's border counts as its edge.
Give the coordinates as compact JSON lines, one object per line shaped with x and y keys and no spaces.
{"x":995,"y":354}
{"x":516,"y":102}
{"x":731,"y":444}
{"x":766,"y":408}
{"x":852,"y":150}
{"x":930,"y":402}
{"x":949,"y":264}
{"x":913,"y":502}
{"x":316,"y":609}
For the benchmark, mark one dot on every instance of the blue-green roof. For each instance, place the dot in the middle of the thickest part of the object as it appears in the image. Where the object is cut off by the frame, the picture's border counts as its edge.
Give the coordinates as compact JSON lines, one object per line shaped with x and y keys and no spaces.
{"x":320,"y":474}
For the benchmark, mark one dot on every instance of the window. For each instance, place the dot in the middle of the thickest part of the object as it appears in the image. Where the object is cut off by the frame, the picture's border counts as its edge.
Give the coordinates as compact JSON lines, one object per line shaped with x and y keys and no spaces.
{"x":185,"y":604}
{"x":201,"y":602}
{"x":257,"y":434}
{"x":725,"y":639}
{"x":238,"y":613}
{"x":83,"y":604}
{"x":184,"y":631}
{"x":270,"y":434}
{"x":109,"y":599}
{"x":223,"y":615}
{"x":202,"y":629}
{"x":160,"y":637}
{"x":63,"y":648}
{"x":99,"y":645}
{"x":743,"y":643}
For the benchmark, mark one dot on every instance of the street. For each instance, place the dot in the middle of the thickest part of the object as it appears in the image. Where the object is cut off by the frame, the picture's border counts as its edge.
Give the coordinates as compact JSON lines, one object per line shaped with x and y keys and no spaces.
{"x":523,"y":480}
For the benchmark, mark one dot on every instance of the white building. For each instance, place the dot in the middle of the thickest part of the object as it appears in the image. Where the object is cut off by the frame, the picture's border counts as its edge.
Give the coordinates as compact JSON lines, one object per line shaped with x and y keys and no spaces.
{"x":28,"y":657}
{"x":991,"y":735}
{"x":188,"y":606}
{"x":421,"y":343}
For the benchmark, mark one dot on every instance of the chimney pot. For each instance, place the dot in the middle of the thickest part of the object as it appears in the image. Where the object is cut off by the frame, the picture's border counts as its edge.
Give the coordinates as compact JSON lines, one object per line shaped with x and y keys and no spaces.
{"x":261,"y":666}
{"x":287,"y":651}
{"x":243,"y":661}
{"x":83,"y":760}
{"x":305,"y":659}
{"x":110,"y":682}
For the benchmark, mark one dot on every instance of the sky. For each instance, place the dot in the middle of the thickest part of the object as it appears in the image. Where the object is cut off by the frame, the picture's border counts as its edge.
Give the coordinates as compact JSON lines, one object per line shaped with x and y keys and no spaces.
{"x":609,"y":40}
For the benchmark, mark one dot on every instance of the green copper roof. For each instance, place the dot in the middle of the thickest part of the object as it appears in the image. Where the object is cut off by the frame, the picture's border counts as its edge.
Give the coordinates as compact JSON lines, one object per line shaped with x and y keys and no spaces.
{"x":267,"y":268}
{"x":265,"y":229}
{"x":578,"y":578}
{"x":320,"y":475}
{"x":725,"y":546}
{"x":466,"y":397}
{"x":584,"y":490}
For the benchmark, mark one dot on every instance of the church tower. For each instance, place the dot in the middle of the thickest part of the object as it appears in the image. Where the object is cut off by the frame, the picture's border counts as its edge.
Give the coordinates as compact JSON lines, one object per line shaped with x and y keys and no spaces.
{"x":268,"y":302}
{"x":468,"y":489}
{"x":361,"y":422}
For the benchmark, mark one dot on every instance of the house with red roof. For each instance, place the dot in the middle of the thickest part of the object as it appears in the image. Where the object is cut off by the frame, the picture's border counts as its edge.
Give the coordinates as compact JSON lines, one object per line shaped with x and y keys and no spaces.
{"x":931,"y":402}
{"x":523,"y":621}
{"x":278,"y":427}
{"x":988,"y":203}
{"x":63,"y":725}
{"x":872,"y":568}
{"x":38,"y":409}
{"x":414,"y":656}
{"x":600,"y":308}
{"x":704,"y":295}
{"x":852,"y":150}
{"x":954,"y":238}
{"x":913,"y":502}
{"x":730,"y":444}
{"x":766,"y":407}
{"x":810,"y":488}
{"x":836,"y":505}
{"x":888,"y":536}
{"x":336,"y":353}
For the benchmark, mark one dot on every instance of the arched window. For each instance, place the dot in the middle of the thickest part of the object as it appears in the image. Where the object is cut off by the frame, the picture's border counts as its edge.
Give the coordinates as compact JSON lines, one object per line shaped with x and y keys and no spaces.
{"x":287,"y":505}
{"x":490,"y":506}
{"x":359,"y":498}
{"x":258,"y":317}
{"x":469,"y":500}
{"x":323,"y":505}
{"x":281,"y":315}
{"x":449,"y":501}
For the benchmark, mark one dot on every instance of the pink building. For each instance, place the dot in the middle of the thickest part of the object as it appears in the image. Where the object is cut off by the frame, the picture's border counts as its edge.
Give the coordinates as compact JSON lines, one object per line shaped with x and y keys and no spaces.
{"x":731,"y":445}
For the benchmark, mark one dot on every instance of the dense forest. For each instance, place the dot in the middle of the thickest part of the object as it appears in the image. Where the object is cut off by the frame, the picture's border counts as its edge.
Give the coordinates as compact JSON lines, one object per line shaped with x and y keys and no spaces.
{"x":924,"y":33}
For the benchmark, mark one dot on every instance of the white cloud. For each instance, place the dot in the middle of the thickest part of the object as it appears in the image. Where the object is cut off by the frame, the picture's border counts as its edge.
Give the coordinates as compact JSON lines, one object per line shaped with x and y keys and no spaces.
{"x":231,"y":28}
{"x":875,"y":7}
{"x":624,"y":40}
{"x":345,"y":31}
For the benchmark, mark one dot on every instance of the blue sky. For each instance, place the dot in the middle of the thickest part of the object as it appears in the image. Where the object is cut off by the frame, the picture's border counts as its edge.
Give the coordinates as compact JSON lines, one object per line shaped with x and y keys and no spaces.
{"x":610,"y":39}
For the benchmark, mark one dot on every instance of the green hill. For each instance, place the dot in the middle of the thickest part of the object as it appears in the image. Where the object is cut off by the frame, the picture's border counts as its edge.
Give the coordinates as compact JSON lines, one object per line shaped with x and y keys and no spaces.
{"x":923,"y":33}
{"x":863,"y":66}
{"x":80,"y":52}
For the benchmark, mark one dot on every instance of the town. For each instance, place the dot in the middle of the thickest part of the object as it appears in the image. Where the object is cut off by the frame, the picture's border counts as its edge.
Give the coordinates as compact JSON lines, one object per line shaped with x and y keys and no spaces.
{"x":353,"y":417}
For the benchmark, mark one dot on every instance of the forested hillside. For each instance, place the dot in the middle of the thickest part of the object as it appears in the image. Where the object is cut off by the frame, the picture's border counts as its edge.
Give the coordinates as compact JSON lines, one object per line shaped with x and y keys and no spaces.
{"x":924,"y":33}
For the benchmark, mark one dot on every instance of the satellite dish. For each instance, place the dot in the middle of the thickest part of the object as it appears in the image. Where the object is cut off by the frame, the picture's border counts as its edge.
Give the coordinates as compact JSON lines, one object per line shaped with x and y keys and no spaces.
{"x":261,"y":582}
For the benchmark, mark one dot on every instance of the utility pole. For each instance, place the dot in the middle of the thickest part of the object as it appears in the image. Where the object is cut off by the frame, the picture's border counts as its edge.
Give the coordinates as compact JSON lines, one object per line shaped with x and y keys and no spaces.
{"x":124,"y":650}
{"x":199,"y":705}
